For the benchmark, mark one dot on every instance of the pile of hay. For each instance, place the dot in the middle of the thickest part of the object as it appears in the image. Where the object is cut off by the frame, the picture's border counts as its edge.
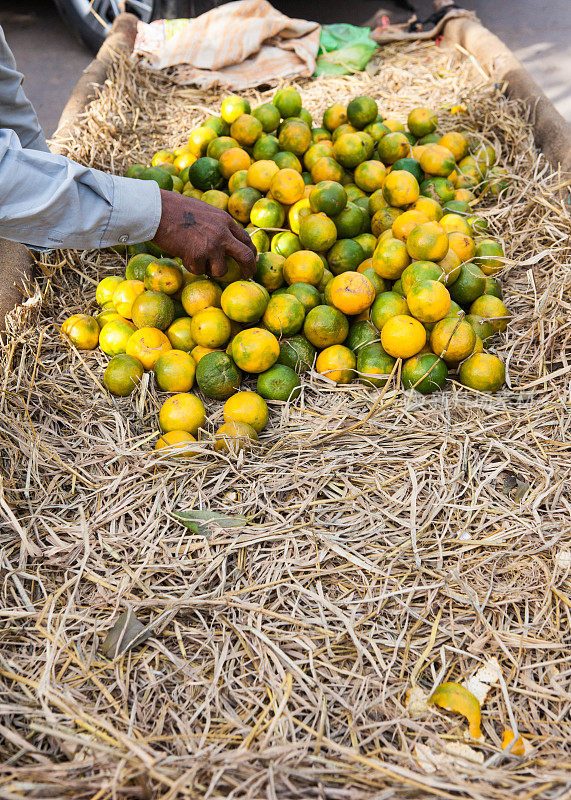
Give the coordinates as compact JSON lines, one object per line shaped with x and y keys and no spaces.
{"x":393,"y":542}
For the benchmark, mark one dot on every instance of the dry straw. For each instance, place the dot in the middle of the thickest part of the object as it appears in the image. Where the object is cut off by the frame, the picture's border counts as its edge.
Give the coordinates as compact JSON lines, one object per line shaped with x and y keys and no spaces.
{"x":393,"y":539}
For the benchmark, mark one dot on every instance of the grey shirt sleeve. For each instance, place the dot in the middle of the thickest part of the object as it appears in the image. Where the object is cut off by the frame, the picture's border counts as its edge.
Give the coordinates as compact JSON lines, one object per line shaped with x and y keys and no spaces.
{"x":50,"y":201}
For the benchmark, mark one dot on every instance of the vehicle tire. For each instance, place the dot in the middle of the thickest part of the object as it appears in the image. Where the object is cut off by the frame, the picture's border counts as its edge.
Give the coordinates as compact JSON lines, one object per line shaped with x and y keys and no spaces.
{"x":88,"y":26}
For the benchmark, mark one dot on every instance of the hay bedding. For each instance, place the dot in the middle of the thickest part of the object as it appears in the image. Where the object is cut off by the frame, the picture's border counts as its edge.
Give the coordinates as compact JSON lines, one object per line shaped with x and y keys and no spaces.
{"x":393,"y":540}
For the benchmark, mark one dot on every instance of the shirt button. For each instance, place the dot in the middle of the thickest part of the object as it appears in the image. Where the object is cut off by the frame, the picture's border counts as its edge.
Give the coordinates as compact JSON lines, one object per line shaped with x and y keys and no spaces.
{"x":124,"y":238}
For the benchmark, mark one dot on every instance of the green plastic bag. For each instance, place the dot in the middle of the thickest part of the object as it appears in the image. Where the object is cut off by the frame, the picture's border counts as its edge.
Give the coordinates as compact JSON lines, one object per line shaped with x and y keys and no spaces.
{"x":343,"y":49}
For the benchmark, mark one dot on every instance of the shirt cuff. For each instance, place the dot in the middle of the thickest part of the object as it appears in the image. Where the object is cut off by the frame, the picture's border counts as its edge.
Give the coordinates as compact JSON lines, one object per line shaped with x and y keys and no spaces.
{"x":135,"y":212}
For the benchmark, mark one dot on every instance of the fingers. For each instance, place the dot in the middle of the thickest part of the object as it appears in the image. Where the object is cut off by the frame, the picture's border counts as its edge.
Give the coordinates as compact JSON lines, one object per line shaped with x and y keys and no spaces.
{"x":242,"y":235}
{"x":197,"y":266}
{"x":244,"y":255}
{"x":218,"y":264}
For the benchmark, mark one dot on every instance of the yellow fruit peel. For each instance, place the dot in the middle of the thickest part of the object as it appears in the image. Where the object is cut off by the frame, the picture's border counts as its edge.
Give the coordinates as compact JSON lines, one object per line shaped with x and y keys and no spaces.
{"x":518,"y":748}
{"x":454,"y":697}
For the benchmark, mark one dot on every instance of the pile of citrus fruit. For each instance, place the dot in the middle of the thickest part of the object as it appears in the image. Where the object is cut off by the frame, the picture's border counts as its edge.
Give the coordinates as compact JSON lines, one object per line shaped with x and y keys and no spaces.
{"x":369,"y":251}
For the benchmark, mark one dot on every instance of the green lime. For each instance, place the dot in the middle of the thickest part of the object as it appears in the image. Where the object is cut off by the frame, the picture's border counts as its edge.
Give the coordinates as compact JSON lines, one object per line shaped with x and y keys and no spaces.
{"x":204,"y":174}
{"x":308,"y":295}
{"x":470,"y":284}
{"x":218,"y":376}
{"x":134,"y":170}
{"x":158,"y":174}
{"x":279,"y":383}
{"x":374,"y":365}
{"x":426,"y":372}
{"x":297,"y":353}
{"x":410,"y":165}
{"x":361,"y":333}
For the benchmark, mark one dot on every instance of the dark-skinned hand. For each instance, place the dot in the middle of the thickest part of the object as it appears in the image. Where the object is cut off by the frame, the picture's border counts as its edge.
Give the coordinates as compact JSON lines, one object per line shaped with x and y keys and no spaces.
{"x":202,"y":236}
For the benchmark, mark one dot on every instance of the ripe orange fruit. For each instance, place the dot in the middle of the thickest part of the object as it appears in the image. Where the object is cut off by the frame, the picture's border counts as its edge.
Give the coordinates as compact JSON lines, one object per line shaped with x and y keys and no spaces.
{"x":179,"y":443}
{"x":246,"y":129}
{"x":352,"y":292}
{"x":455,"y":223}
{"x":428,"y":301}
{"x":420,"y":271}
{"x":124,"y":296}
{"x":200,"y":294}
{"x":267,"y":214}
{"x":406,"y":222}
{"x":259,"y":175}
{"x":182,"y":412}
{"x":294,"y":137}
{"x":122,"y":375}
{"x":349,"y":150}
{"x":108,"y":315}
{"x":238,"y":180}
{"x":334,"y":116}
{"x":199,"y":140}
{"x":255,"y":349}
{"x":421,"y":122}
{"x":296,"y":212}
{"x":484,"y":372}
{"x":326,"y":169}
{"x":106,"y":289}
{"x":400,"y":188}
{"x":393,"y":146}
{"x":147,"y":345}
{"x":233,"y":160}
{"x":152,"y":309}
{"x":175,"y":371}
{"x":437,"y":160}
{"x":456,"y":143}
{"x":317,"y":151}
{"x":82,"y":330}
{"x":303,"y":266}
{"x":113,"y":337}
{"x":452,"y":339}
{"x":269,"y":273}
{"x":244,"y":301}
{"x":210,"y":328}
{"x":369,"y":176}
{"x":241,"y":202}
{"x":493,"y":310}
{"x":428,"y":206}
{"x":284,"y":315}
{"x":317,"y":232}
{"x":390,"y":259}
{"x":337,"y":363}
{"x":287,"y":186}
{"x":216,"y":198}
{"x":163,"y":275}
{"x":451,"y":265}
{"x":234,"y":436}
{"x":427,"y":242}
{"x":464,"y":246}
{"x":199,"y":352}
{"x":246,"y":407}
{"x":232,"y":106}
{"x":403,"y":336}
{"x":179,"y":335}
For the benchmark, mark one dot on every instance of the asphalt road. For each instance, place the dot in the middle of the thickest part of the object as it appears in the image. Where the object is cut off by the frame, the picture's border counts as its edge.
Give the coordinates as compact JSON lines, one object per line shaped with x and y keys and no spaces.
{"x":52,"y":59}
